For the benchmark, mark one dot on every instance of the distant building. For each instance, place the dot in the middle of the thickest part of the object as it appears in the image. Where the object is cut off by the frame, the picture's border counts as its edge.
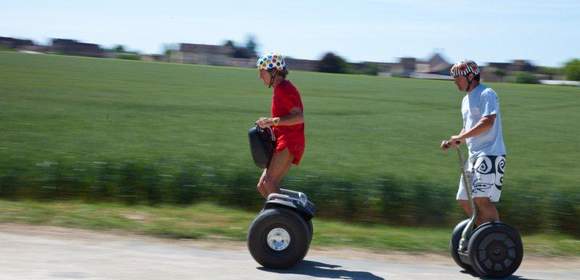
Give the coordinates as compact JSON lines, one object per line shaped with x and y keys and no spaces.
{"x":522,"y":65}
{"x":407,"y":66}
{"x":438,"y":65}
{"x":14,"y":43}
{"x":242,"y":62}
{"x":152,"y":57}
{"x":226,"y":56}
{"x":202,"y":54}
{"x":497,"y":71}
{"x":435,"y":67}
{"x":371,"y":67}
{"x":73,"y":47}
{"x":302,"y":64}
{"x":499,"y":65}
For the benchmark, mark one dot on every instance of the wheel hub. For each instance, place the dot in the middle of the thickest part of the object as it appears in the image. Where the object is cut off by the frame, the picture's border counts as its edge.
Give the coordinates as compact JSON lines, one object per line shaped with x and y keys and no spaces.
{"x":497,"y":251}
{"x":278,"y":239}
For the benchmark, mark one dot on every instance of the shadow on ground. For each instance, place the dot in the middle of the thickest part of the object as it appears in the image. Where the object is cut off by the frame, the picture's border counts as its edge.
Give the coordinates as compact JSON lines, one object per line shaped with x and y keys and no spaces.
{"x":324,"y":270}
{"x":513,"y":277}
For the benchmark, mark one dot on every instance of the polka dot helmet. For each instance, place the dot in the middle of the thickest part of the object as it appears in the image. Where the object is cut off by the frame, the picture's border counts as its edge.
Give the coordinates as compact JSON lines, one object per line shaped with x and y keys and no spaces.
{"x":271,"y":61}
{"x":463,"y":68}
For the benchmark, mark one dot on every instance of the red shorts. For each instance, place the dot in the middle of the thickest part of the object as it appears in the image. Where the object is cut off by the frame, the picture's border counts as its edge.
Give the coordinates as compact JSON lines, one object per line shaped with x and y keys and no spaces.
{"x":296,"y":149}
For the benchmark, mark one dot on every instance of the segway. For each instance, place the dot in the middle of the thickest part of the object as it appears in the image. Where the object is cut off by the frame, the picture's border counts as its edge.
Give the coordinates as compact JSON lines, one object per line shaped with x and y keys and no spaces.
{"x":279,"y":237}
{"x":492,"y":249}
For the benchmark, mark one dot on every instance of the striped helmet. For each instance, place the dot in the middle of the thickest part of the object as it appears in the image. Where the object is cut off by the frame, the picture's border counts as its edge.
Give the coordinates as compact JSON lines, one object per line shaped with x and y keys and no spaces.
{"x":463,"y":68}
{"x":271,"y":61}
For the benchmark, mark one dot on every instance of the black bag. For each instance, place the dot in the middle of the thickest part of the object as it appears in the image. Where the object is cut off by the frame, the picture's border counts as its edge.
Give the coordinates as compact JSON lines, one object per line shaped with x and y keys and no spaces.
{"x":262,"y":144}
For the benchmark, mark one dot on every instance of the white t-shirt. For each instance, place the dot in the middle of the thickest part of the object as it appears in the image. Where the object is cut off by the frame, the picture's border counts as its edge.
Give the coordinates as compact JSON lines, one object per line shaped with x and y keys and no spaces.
{"x":480,"y":102}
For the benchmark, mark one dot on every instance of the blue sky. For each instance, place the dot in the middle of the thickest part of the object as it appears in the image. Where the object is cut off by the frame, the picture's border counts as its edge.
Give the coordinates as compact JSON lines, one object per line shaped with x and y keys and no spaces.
{"x":546,"y":32}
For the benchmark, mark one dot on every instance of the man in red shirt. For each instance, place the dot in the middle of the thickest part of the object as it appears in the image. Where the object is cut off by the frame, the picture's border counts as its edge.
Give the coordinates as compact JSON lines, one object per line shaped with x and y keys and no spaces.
{"x":287,"y":122}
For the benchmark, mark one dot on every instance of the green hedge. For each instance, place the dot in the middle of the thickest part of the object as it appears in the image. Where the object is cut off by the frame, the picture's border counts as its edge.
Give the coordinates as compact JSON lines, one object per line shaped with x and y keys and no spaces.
{"x":530,"y":206}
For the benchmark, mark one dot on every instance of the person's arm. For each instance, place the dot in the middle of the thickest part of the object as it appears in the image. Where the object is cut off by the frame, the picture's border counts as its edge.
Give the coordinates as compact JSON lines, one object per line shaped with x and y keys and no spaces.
{"x":295,"y":117}
{"x":484,"y":124}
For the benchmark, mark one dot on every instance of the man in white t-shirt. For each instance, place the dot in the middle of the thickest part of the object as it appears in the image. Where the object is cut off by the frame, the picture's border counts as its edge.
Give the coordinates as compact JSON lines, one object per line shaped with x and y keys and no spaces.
{"x":482,"y":133}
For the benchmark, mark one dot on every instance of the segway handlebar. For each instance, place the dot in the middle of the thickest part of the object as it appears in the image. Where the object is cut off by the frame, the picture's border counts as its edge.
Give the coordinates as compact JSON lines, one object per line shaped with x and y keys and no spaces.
{"x":447,"y":145}
{"x":268,"y":128}
{"x":468,"y":189}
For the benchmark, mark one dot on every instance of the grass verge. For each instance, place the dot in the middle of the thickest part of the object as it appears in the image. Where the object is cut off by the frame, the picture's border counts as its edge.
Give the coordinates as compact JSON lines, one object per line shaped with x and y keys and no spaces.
{"x":210,"y":222}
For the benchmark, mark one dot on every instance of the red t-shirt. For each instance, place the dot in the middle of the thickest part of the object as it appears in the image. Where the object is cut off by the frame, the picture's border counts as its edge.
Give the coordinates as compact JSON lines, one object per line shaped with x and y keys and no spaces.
{"x":286,"y":97}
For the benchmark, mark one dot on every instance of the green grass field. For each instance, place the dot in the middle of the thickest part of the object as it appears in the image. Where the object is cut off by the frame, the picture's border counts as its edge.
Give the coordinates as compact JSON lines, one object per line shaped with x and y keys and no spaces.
{"x":81,"y":111}
{"x":57,"y":107}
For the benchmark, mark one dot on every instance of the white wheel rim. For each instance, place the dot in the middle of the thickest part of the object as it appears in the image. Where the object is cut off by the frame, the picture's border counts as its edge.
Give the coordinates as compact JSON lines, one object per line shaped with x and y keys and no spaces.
{"x":278,"y":239}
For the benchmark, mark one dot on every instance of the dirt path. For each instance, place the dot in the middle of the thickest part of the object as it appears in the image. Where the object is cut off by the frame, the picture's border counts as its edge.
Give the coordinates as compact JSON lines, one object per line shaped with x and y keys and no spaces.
{"x":41,"y":252}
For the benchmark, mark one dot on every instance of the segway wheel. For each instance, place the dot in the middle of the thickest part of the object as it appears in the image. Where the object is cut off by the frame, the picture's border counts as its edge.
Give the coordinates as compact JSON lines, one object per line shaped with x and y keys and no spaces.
{"x":495,"y":250}
{"x":310,"y":230}
{"x":278,"y":238}
{"x":454,"y":245}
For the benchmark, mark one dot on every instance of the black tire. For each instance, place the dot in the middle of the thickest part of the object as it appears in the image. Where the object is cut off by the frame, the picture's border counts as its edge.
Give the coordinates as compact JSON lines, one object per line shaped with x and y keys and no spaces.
{"x":287,"y":220}
{"x":310,"y":230}
{"x":454,"y":245}
{"x":496,"y":250}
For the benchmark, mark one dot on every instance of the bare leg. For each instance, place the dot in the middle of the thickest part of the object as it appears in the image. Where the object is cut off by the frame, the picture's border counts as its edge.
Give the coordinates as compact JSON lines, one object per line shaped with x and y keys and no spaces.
{"x":261,"y":190}
{"x":466,"y":207}
{"x":487,"y":210}
{"x":273,"y":175}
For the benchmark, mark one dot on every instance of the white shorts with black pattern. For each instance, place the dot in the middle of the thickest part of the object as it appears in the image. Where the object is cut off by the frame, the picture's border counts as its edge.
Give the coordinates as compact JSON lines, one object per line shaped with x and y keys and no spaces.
{"x":486,"y":174}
